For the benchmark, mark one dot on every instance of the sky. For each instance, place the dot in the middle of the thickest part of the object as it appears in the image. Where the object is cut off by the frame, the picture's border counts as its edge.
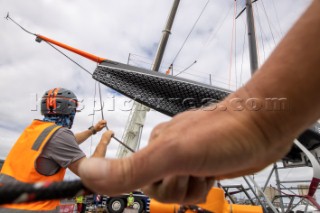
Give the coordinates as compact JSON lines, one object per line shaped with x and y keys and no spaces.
{"x":126,"y":31}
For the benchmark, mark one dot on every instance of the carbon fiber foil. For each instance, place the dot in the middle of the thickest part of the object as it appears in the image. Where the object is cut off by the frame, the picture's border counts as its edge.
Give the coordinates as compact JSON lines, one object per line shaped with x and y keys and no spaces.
{"x":167,"y":94}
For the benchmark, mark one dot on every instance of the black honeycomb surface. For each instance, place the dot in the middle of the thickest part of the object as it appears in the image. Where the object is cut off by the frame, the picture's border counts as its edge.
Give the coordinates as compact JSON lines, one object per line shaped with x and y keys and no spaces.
{"x":167,"y":94}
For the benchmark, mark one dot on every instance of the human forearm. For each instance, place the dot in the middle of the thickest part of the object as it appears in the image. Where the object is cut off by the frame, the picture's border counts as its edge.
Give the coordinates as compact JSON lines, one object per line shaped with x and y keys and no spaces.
{"x":291,"y":72}
{"x":101,"y":148}
{"x":82,"y":136}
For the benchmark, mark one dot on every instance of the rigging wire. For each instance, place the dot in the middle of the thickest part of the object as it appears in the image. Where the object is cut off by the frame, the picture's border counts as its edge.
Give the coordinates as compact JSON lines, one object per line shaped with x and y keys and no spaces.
{"x":214,"y":33}
{"x":185,"y":68}
{"x":27,"y":31}
{"x":261,"y":31}
{"x":186,"y":39}
{"x":93,"y":111}
{"x":243,"y":48}
{"x":265,"y":12}
{"x":107,"y":128}
{"x":9,"y":18}
{"x":277,"y":17}
{"x":79,"y":65}
{"x":183,"y":44}
{"x":235,"y":50}
{"x":210,"y":38}
{"x":39,"y":40}
{"x":264,"y":34}
{"x":231,"y":48}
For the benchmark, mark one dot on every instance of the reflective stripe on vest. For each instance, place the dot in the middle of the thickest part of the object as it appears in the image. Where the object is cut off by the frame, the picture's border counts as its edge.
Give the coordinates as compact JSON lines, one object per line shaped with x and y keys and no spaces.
{"x":20,"y":163}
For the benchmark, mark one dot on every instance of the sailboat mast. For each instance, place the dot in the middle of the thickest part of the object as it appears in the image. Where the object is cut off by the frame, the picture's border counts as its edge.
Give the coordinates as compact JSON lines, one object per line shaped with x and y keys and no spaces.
{"x":252,"y":38}
{"x":165,"y":36}
{"x":253,"y":53}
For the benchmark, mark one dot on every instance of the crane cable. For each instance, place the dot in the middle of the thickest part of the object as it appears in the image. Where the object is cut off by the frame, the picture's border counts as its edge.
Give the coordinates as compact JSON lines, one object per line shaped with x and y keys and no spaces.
{"x":100,"y":96}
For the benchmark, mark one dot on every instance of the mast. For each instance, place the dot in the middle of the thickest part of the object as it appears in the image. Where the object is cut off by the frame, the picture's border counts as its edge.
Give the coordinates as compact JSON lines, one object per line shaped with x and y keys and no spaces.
{"x":165,"y":36}
{"x":252,"y":38}
{"x":253,"y":53}
{"x":136,"y":119}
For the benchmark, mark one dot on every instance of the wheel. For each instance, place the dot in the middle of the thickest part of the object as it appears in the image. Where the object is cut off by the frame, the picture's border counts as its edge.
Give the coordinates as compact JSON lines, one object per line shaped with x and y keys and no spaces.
{"x":116,"y":205}
{"x":138,"y":204}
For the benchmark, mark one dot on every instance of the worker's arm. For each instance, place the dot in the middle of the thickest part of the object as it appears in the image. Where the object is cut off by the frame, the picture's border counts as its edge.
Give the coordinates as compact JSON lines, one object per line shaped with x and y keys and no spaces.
{"x":82,"y":136}
{"x":101,"y":148}
{"x":236,"y":139}
{"x":99,"y":152}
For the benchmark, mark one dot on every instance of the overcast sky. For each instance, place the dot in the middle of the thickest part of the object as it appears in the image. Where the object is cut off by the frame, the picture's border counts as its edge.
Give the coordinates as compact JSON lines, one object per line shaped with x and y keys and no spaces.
{"x":113,"y":30}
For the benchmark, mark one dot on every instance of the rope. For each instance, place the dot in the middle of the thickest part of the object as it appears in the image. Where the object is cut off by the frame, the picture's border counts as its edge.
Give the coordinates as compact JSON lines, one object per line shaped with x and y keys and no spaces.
{"x":23,"y":192}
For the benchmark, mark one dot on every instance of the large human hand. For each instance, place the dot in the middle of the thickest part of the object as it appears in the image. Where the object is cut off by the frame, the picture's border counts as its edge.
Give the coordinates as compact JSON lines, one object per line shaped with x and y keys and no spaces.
{"x":185,"y":154}
{"x":208,"y":144}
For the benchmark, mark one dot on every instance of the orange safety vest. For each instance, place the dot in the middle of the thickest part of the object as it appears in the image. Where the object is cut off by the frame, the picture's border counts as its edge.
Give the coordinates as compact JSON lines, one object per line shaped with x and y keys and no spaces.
{"x":20,"y":163}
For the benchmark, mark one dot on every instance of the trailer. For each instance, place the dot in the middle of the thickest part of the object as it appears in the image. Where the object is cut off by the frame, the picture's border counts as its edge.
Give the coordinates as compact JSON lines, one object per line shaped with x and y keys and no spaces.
{"x":117,"y":204}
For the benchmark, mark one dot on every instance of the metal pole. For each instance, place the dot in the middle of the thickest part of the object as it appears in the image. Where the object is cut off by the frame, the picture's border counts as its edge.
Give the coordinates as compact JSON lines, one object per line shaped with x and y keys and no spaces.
{"x":254,"y":193}
{"x":262,"y":193}
{"x":129,"y":57}
{"x":252,"y":38}
{"x":268,"y":179}
{"x":165,"y":36}
{"x":275,"y":166}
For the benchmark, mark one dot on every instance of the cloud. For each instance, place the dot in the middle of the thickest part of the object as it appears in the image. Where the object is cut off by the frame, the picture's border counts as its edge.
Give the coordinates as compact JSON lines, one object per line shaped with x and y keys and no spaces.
{"x":114,"y":29}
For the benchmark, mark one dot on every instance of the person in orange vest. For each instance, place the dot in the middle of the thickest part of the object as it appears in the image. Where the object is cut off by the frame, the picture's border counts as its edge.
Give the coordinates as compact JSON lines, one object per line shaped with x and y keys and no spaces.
{"x":47,"y":148}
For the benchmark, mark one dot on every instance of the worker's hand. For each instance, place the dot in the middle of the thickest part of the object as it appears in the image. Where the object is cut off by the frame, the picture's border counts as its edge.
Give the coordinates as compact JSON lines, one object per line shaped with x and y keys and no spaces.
{"x":106,"y":136}
{"x":186,"y":153}
{"x":100,"y":125}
